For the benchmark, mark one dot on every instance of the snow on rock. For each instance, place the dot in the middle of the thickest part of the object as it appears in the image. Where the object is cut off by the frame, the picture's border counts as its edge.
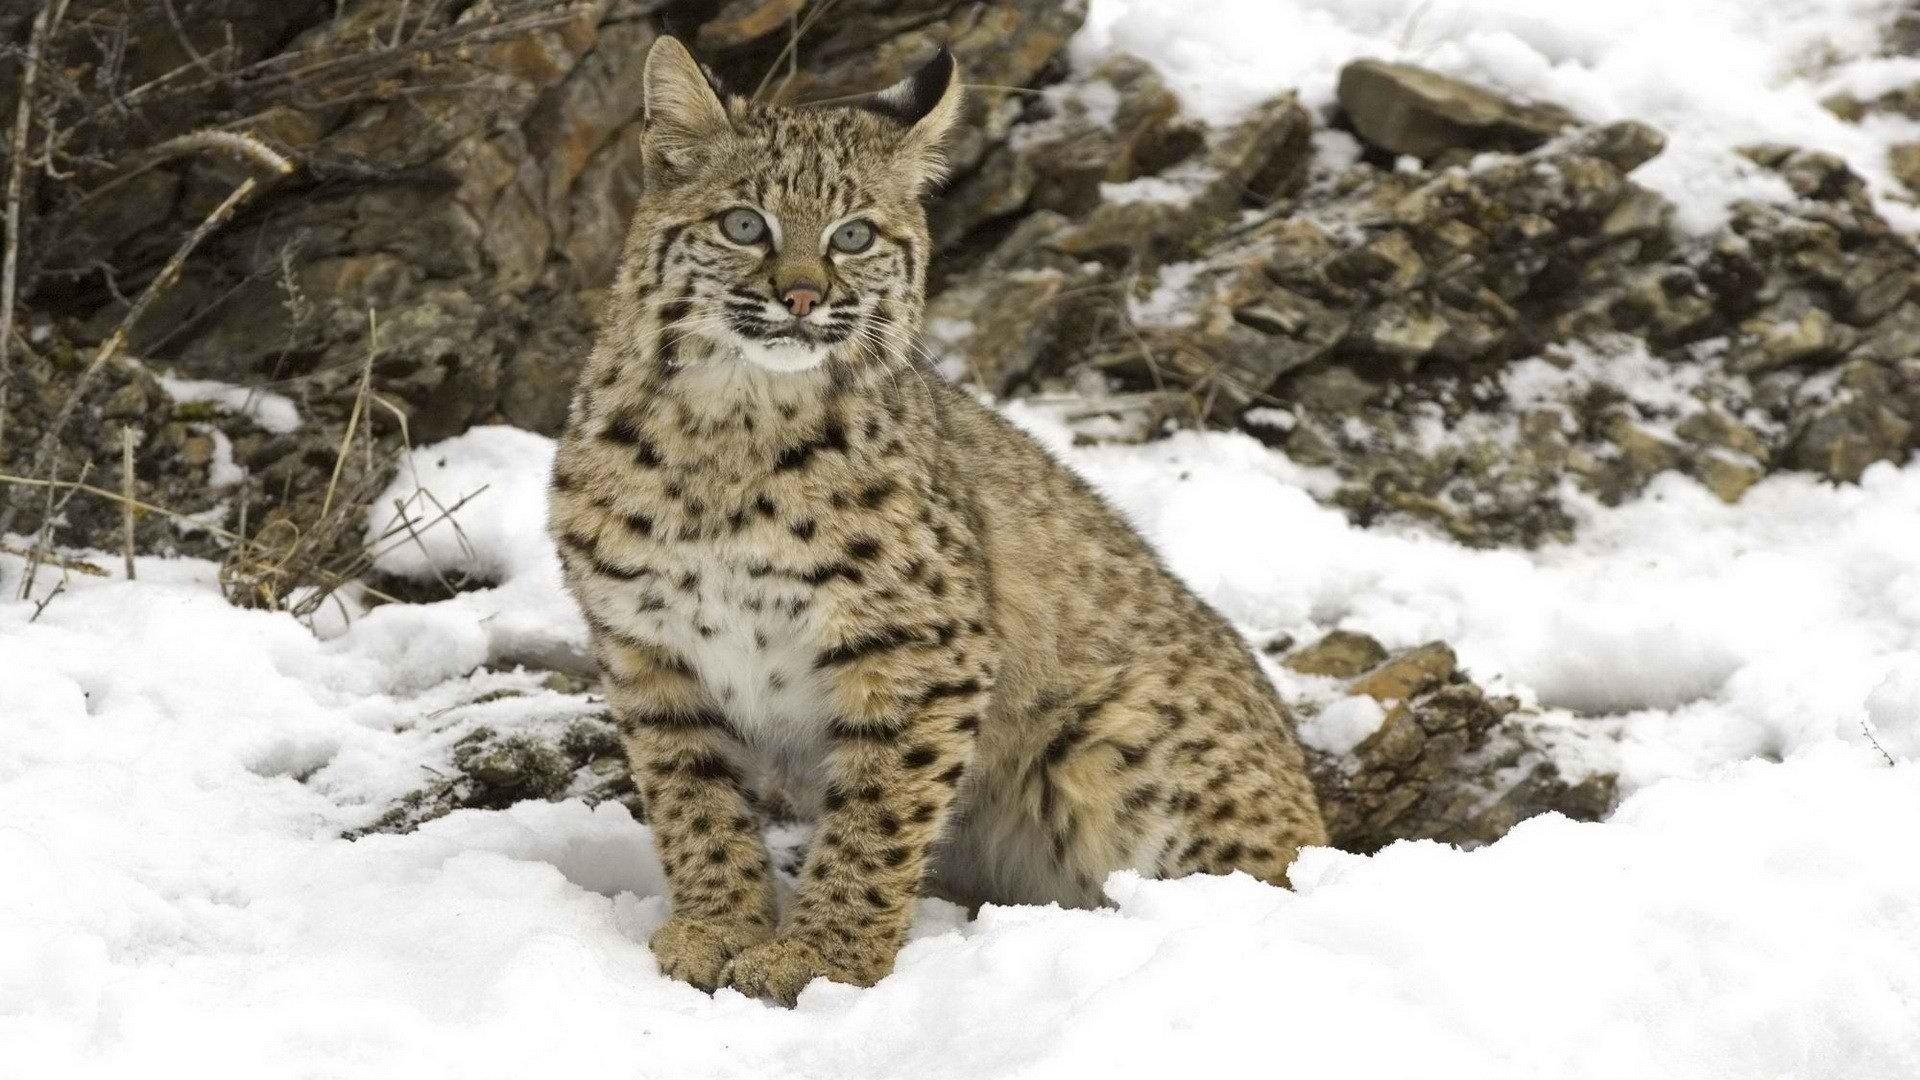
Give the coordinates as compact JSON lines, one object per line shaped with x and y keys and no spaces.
{"x":1343,"y":725}
{"x":1711,"y":74}
{"x":273,"y":412}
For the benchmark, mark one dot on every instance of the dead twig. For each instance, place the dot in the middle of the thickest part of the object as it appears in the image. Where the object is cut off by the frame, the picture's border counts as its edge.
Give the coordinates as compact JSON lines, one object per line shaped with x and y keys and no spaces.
{"x":42,"y":548}
{"x":1866,"y":728}
{"x":61,"y":561}
{"x":75,"y":486}
{"x":790,"y":53}
{"x":230,"y":143}
{"x":353,"y":417}
{"x":126,"y":491}
{"x":43,"y":25}
{"x":41,"y":605}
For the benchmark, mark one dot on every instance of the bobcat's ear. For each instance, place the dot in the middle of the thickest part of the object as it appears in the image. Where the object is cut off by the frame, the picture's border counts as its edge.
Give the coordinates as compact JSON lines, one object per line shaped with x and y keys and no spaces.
{"x":928,"y":102}
{"x":684,"y":112}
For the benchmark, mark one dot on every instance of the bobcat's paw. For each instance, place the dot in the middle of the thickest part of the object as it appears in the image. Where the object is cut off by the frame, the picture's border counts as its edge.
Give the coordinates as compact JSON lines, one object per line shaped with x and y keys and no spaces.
{"x":781,"y":968}
{"x":697,"y":952}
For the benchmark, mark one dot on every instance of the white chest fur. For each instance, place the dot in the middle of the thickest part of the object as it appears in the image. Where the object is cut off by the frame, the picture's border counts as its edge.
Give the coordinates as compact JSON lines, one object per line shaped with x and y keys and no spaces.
{"x":752,"y":641}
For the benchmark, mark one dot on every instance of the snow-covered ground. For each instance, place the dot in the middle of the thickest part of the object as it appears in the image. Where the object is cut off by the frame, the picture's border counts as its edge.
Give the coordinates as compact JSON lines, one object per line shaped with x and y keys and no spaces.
{"x":175,"y":774}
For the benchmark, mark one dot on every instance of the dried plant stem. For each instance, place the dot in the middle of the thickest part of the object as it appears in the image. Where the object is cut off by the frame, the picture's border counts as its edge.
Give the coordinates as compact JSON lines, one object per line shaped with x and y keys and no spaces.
{"x":41,"y":550}
{"x":64,"y":563}
{"x":43,"y":25}
{"x":790,"y":54}
{"x":353,"y":417}
{"x":232,"y":143}
{"x":41,"y":606}
{"x":126,"y":493}
{"x":73,"y":486}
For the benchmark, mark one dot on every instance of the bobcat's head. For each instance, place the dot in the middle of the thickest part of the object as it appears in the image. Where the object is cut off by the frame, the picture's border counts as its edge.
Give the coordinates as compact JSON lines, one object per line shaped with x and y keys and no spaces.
{"x":786,"y":237}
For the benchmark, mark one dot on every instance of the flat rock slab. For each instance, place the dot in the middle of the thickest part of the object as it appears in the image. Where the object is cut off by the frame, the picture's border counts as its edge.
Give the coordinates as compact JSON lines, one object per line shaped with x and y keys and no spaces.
{"x":1405,"y":109}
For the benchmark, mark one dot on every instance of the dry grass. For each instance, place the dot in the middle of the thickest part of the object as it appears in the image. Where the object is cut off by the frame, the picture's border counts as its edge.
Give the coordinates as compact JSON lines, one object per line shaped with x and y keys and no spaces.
{"x":299,"y":565}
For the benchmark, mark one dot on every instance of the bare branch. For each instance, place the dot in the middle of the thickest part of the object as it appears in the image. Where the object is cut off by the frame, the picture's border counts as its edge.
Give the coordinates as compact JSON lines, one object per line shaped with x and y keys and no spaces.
{"x":126,"y":492}
{"x":43,"y":25}
{"x":72,"y":486}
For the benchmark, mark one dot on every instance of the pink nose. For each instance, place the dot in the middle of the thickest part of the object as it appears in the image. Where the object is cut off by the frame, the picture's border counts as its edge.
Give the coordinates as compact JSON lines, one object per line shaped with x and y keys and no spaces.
{"x":800,"y":298}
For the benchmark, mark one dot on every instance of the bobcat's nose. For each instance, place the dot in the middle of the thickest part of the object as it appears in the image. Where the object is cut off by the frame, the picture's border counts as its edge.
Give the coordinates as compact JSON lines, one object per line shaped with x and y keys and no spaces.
{"x":800,"y":298}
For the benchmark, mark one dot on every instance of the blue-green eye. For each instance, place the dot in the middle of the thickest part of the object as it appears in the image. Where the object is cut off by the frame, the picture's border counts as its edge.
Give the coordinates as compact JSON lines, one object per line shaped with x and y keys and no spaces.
{"x":743,"y":226}
{"x":853,"y":237}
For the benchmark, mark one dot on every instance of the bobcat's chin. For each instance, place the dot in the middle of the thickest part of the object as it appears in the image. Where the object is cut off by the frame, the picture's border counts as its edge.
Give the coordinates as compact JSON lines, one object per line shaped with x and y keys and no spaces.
{"x":782,"y":355}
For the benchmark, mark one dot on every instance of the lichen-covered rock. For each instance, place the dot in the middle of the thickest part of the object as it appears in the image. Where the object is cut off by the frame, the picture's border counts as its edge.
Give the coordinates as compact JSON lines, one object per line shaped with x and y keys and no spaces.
{"x":491,"y":772}
{"x":1341,"y":654}
{"x":1447,"y":762}
{"x":1864,"y":423}
{"x":1404,"y":109}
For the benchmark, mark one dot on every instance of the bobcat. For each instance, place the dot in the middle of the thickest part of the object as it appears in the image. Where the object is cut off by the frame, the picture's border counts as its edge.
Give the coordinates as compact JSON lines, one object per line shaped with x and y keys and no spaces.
{"x":809,"y":562}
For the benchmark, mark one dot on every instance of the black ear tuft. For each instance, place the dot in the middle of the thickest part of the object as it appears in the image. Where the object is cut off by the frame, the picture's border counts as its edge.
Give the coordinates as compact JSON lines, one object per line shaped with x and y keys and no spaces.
{"x":912,"y":98}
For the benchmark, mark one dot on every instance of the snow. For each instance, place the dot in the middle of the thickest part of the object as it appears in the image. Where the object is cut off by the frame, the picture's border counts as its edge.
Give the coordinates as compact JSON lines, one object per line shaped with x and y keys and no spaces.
{"x":1343,"y":725}
{"x":475,"y":505}
{"x":1712,"y":74}
{"x":273,"y":412}
{"x":176,"y":775}
{"x":1892,"y":708}
{"x":1171,"y":302}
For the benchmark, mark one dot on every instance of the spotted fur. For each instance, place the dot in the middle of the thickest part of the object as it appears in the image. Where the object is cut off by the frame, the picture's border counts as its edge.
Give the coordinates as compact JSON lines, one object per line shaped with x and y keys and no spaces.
{"x":810,"y":563}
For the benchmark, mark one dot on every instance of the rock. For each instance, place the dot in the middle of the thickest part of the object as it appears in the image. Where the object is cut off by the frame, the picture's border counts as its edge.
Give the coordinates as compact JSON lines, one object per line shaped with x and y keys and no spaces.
{"x":1904,"y":160}
{"x":1396,"y":744}
{"x":1775,"y":342}
{"x":126,"y":403}
{"x":1342,"y":654}
{"x":1410,"y":673}
{"x":1404,"y":109}
{"x":1715,"y":429}
{"x":997,"y":327}
{"x":1447,"y":763}
{"x":746,"y":20}
{"x":1624,"y":144}
{"x":1637,"y":454}
{"x":1726,"y":473}
{"x":196,"y":451}
{"x":1120,"y":124}
{"x":1862,"y":425}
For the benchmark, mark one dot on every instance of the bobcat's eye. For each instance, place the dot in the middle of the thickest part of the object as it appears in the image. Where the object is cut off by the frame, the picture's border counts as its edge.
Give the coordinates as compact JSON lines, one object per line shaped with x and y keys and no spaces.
{"x":743,"y":226}
{"x":853,"y":237}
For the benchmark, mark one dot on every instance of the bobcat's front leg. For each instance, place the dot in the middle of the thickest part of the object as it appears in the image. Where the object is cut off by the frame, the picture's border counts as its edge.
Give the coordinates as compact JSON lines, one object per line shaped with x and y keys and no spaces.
{"x":681,"y":752}
{"x":911,"y":700}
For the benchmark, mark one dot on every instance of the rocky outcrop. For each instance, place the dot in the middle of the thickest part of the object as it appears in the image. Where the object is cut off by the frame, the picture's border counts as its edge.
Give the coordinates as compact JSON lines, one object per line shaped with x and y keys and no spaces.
{"x":454,"y":223}
{"x":1447,"y":762}
{"x":1455,"y":342}
{"x":475,"y":199}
